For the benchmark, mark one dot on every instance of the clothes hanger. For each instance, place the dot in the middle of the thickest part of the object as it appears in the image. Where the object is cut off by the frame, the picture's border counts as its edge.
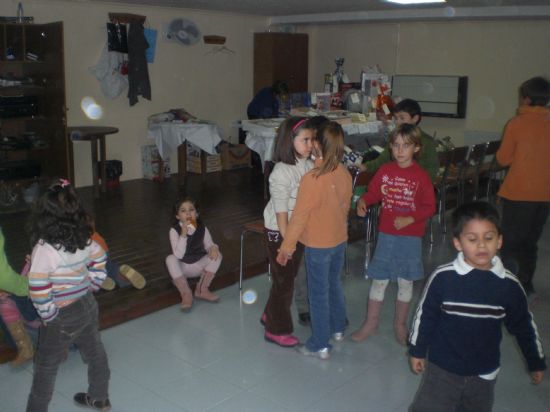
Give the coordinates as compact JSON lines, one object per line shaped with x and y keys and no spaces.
{"x":220,"y":49}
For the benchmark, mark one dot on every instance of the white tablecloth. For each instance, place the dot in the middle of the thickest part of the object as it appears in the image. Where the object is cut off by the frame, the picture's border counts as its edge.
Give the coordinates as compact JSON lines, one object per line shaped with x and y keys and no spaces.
{"x":260,"y":134}
{"x":169,"y":135}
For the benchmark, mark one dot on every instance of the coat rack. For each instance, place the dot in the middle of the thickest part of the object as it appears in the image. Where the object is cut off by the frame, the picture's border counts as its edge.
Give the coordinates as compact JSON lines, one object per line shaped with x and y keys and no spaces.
{"x":125,"y":18}
{"x":219,"y":41}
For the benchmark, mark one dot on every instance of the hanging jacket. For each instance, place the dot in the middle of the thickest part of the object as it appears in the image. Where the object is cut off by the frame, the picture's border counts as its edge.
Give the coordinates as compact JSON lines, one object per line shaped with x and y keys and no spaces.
{"x":138,"y":75}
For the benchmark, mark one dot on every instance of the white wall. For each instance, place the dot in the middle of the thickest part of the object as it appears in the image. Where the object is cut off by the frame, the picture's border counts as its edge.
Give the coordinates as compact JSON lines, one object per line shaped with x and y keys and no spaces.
{"x":496,"y":56}
{"x":215,"y":87}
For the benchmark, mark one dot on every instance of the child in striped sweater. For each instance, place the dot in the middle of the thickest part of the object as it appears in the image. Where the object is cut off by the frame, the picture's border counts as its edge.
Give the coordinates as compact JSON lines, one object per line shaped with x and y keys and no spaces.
{"x":67,"y":266}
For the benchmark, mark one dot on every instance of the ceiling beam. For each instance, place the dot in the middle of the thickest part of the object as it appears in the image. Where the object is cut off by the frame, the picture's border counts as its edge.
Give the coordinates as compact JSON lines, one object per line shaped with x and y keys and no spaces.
{"x":443,"y":13}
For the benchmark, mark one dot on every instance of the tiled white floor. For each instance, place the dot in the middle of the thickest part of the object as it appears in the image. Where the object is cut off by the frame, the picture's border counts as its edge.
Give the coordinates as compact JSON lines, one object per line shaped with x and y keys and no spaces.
{"x":215,"y":359}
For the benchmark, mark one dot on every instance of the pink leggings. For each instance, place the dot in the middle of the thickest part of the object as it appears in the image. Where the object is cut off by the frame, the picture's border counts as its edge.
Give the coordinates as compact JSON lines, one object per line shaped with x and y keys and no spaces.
{"x":9,"y":311}
{"x":177,"y":268}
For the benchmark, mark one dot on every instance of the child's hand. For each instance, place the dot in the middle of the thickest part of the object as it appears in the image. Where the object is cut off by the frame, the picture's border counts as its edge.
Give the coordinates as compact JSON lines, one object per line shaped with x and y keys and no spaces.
{"x":214,"y":252}
{"x":537,"y":377}
{"x":283,"y":257}
{"x":417,"y":365}
{"x":361,"y":208}
{"x":190,"y":229}
{"x":402,"y":221}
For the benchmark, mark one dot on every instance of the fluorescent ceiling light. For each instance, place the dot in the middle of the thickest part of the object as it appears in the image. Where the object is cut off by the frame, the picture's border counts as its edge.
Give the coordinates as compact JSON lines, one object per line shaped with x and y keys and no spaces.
{"x":415,"y":1}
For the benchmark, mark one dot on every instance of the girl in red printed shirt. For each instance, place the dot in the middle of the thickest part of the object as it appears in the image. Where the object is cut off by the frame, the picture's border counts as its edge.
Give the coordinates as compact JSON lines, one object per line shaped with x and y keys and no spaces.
{"x":408,"y":201}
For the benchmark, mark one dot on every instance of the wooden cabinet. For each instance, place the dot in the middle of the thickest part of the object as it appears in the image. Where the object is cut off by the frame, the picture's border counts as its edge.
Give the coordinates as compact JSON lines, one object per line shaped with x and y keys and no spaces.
{"x":33,"y":138}
{"x":281,"y":56}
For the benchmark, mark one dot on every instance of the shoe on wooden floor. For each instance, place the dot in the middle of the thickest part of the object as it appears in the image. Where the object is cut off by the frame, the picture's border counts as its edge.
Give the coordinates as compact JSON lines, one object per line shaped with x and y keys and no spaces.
{"x":108,"y":284}
{"x":134,"y":277}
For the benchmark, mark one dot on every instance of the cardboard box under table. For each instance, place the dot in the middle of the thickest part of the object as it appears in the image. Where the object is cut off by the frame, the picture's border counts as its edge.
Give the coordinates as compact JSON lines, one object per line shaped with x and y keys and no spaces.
{"x":235,"y":156}
{"x":198,"y":161}
{"x":173,"y":136}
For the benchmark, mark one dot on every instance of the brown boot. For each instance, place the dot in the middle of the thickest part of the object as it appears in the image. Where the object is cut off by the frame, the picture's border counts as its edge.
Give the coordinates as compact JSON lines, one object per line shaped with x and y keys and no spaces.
{"x":185,"y":292}
{"x":202,"y":291}
{"x":400,"y":322}
{"x":370,"y":325}
{"x":25,"y":350}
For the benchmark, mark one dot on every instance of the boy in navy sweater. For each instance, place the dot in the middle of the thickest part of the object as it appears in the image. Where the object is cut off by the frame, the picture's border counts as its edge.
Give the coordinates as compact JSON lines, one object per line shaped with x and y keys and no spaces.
{"x":458,"y":320}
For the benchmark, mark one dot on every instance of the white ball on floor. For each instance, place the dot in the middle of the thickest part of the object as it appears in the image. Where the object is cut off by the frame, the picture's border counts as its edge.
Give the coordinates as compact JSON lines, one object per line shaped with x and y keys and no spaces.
{"x":249,"y":297}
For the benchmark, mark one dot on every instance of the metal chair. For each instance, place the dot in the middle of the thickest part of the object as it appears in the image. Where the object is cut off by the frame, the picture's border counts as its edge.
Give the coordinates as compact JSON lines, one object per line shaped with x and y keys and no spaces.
{"x":445,"y":159}
{"x":256,"y":226}
{"x":360,"y":178}
{"x":451,"y":179}
{"x":490,"y":170}
{"x":470,"y":177}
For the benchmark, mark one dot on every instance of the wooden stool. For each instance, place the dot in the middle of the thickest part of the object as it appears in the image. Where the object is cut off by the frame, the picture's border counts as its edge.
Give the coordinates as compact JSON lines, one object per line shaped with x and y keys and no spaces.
{"x":93,"y":134}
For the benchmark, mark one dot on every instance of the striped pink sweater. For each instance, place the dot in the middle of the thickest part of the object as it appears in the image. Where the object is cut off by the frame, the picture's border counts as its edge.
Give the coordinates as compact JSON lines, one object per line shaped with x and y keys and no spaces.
{"x":58,"y":278}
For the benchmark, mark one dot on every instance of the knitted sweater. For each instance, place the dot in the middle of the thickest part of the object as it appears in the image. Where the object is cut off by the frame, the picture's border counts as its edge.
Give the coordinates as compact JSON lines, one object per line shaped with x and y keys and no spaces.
{"x":58,"y":278}
{"x":459,"y":319}
{"x":320,"y":218}
{"x":403,"y":192}
{"x":284,"y":181}
{"x":428,"y":159}
{"x":525,"y":148}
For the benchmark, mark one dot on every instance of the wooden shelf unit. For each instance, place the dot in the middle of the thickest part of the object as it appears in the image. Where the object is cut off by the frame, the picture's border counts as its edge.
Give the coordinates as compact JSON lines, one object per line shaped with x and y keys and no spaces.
{"x":45,"y":83}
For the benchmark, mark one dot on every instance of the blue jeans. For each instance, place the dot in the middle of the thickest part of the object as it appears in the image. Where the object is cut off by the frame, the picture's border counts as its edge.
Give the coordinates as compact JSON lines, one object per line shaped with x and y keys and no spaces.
{"x":76,"y":323}
{"x":326,"y":298}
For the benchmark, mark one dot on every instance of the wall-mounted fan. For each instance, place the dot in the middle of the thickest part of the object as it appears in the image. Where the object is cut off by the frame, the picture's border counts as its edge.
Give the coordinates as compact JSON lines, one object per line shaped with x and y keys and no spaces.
{"x":183,"y":31}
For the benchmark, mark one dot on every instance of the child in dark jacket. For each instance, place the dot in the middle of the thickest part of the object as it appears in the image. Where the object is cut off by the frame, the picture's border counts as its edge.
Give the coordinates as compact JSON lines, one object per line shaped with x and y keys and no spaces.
{"x":458,"y":322}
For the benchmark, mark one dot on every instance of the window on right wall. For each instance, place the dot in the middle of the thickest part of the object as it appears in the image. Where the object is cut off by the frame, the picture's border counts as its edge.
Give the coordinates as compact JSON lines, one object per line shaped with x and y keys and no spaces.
{"x":439,"y":96}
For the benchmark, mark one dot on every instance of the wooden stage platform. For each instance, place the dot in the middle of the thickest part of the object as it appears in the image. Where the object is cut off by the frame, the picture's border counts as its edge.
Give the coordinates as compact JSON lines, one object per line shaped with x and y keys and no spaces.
{"x":135,"y":219}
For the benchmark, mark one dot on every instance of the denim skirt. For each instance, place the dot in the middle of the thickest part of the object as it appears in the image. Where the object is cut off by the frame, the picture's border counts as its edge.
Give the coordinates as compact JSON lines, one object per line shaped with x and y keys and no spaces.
{"x":397,"y":257}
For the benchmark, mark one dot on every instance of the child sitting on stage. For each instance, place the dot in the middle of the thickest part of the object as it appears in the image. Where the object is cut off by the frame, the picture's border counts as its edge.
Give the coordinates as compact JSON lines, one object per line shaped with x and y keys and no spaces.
{"x":194,"y":254}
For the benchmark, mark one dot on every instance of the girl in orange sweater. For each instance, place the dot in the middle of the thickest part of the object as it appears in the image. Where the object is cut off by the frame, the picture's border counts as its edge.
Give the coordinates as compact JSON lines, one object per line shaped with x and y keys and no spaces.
{"x":319,"y":221}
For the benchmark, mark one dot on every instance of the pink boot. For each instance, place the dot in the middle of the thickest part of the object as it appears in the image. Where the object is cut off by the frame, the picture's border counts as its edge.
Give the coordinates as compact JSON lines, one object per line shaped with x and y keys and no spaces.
{"x":202,"y":291}
{"x":185,"y":293}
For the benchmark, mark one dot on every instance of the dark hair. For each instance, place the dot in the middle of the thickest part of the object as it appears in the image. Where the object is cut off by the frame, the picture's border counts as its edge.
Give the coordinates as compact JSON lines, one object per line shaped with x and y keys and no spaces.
{"x":409,"y":106}
{"x":279,"y":87}
{"x":537,"y":90}
{"x":331,"y":140}
{"x":284,"y":142}
{"x":176,"y":208}
{"x":318,"y":121}
{"x":474,"y":210}
{"x":58,"y":218}
{"x":409,"y":132}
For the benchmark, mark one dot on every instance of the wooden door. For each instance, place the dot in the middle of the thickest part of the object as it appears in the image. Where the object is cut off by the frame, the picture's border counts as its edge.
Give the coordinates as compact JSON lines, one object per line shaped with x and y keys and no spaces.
{"x":281,"y":56}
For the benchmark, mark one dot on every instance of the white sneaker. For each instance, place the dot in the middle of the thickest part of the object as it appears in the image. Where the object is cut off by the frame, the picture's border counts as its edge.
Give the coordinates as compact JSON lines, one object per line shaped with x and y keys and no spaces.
{"x":338,"y":337}
{"x":323,"y":353}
